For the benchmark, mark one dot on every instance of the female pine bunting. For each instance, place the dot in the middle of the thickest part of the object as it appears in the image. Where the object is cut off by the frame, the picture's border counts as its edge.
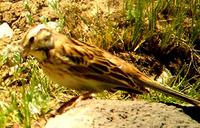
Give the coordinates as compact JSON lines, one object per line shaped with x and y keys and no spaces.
{"x":81,"y":66}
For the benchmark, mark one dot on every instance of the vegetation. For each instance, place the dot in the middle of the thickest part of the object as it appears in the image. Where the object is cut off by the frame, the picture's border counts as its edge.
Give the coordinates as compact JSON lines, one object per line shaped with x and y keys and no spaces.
{"x":164,"y":30}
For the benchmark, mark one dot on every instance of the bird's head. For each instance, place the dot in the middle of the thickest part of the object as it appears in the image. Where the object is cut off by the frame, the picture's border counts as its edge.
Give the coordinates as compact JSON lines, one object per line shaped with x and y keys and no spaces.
{"x":37,"y":42}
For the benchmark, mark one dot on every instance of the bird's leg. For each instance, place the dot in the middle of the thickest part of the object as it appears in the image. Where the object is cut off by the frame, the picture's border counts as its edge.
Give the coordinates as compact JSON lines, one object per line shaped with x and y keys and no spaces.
{"x":73,"y":101}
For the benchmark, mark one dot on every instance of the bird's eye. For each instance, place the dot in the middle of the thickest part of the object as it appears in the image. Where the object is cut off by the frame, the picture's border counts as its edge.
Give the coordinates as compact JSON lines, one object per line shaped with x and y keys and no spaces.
{"x":31,"y":40}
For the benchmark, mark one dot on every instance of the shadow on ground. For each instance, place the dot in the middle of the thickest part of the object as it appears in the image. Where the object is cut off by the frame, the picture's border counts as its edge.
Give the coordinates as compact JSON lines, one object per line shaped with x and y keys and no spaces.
{"x":192,"y":111}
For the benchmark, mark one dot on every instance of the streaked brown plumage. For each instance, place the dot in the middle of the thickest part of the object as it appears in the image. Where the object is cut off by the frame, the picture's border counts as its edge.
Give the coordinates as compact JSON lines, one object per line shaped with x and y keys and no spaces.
{"x":80,"y":66}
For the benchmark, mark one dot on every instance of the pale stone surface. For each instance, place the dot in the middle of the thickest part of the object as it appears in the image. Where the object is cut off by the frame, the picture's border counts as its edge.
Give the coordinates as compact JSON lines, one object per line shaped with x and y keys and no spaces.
{"x":122,"y":114}
{"x":5,"y":31}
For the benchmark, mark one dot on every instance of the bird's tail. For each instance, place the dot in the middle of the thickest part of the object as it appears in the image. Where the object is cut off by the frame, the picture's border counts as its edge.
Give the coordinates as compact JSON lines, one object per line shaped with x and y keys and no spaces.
{"x":147,"y":82}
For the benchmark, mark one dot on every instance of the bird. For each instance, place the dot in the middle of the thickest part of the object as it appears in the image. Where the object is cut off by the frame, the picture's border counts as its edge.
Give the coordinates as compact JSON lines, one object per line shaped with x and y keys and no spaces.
{"x":85,"y":67}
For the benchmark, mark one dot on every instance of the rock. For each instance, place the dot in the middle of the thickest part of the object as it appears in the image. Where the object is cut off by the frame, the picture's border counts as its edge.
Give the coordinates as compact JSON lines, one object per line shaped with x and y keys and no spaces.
{"x":122,"y":114}
{"x":5,"y":31}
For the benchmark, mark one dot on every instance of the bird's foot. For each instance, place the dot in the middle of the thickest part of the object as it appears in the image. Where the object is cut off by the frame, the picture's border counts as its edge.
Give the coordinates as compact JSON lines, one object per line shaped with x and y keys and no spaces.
{"x":72,"y":102}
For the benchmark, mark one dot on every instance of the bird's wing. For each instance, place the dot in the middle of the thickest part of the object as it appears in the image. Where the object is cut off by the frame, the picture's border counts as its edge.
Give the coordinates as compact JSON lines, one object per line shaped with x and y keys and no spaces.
{"x":90,"y":62}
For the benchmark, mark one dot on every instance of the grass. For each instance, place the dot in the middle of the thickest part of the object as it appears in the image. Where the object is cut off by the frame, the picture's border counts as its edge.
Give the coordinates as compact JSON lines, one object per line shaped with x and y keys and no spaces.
{"x":26,"y":96}
{"x":26,"y":99}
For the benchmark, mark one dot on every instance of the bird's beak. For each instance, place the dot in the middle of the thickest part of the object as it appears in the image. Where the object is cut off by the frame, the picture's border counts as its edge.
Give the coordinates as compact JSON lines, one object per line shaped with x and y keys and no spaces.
{"x":25,"y":53}
{"x":24,"y":50}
